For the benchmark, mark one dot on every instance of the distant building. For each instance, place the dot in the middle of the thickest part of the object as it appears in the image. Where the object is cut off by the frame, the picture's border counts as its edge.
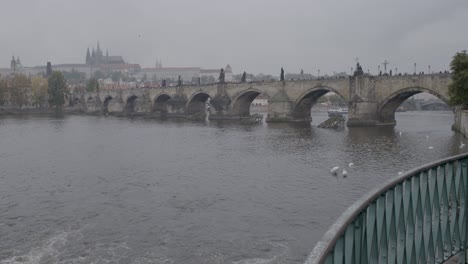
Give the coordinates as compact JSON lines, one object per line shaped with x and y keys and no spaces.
{"x":157,"y":74}
{"x":260,"y":100}
{"x":215,"y":73}
{"x":186,"y":73}
{"x":94,"y":61}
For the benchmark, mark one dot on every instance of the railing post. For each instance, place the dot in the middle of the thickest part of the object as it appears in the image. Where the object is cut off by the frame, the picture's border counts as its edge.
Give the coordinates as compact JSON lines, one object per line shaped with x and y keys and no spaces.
{"x":463,"y":176}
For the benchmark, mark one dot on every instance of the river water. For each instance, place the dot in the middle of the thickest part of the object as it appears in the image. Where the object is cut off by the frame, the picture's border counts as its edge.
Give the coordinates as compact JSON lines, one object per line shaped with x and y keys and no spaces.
{"x":86,"y":189}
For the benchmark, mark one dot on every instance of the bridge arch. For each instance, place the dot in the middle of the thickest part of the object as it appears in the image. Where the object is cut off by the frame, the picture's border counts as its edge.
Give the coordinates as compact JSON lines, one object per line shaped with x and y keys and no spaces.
{"x":196,"y":104}
{"x":160,"y":104}
{"x":130,"y":103}
{"x":105,"y":104}
{"x":387,"y":108}
{"x":301,"y":109}
{"x":241,"y":103}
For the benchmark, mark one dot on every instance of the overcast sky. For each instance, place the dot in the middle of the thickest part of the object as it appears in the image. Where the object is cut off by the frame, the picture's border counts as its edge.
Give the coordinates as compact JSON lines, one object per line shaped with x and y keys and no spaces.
{"x":259,"y":36}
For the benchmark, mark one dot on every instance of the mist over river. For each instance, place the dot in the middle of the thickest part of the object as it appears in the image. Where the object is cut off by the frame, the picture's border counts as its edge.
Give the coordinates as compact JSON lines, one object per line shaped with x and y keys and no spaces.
{"x":96,"y":189}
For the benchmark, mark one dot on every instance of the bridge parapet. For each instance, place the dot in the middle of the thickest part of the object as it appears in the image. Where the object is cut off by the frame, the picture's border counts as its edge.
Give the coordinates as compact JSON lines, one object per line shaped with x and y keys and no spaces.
{"x":419,"y":217}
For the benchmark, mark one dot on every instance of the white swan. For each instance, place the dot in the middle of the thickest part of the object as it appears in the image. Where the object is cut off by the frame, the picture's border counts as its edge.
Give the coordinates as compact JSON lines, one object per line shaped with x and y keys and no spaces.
{"x":334,"y":170}
{"x":345,"y":173}
{"x":462,"y":145}
{"x":351,"y":164}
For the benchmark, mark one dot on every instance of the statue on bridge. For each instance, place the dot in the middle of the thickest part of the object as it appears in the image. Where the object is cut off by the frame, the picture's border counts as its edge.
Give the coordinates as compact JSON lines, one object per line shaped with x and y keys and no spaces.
{"x":244,"y":77}
{"x":163,"y":83}
{"x":221,"y":76}
{"x":358,"y":71}
{"x":179,"y":81}
{"x":282,"y":74}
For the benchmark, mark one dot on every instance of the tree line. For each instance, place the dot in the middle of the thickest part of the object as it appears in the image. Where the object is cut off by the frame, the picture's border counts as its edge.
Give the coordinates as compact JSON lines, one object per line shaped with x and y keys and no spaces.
{"x":18,"y":91}
{"x":458,"y":89}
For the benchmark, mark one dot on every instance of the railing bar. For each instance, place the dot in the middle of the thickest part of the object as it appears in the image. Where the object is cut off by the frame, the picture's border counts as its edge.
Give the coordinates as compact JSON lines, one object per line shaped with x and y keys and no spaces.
{"x":391,"y":225}
{"x":409,"y":222}
{"x":418,"y":215}
{"x":349,"y":244}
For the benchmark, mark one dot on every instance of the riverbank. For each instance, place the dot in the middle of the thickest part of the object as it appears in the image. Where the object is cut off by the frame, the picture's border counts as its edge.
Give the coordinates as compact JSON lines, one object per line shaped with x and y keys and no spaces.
{"x":461,"y":122}
{"x":42,"y":110}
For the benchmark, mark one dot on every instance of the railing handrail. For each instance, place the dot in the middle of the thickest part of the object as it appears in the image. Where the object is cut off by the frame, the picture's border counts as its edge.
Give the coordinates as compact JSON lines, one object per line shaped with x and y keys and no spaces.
{"x":335,"y":231}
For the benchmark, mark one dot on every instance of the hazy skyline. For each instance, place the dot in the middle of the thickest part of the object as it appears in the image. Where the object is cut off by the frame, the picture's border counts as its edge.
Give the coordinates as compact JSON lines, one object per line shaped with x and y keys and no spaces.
{"x":256,"y":36}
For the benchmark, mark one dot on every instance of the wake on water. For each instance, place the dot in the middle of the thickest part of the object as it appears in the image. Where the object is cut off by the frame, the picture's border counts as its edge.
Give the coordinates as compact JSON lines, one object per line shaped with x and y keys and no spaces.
{"x":61,"y":248}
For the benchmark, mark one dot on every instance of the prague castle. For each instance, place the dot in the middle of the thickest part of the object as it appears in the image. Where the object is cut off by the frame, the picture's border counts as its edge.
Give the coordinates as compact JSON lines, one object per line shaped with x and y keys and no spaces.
{"x":96,"y":60}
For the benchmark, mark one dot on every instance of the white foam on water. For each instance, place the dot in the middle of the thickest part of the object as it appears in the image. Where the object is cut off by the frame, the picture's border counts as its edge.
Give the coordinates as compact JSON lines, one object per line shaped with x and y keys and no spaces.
{"x":152,"y":260}
{"x":256,"y":261}
{"x":275,"y":259}
{"x":47,"y":253}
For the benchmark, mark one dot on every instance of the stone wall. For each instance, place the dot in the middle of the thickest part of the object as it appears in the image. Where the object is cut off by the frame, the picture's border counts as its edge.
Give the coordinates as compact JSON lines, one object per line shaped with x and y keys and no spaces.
{"x":461,"y":121}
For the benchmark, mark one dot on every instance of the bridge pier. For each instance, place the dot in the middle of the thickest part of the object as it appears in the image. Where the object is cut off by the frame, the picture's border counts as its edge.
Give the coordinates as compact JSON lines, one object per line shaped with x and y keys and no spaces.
{"x":176,"y":106}
{"x":115,"y":106}
{"x":280,"y":108}
{"x":364,"y":114}
{"x":142,"y":105}
{"x":220,"y":108}
{"x":363,"y":106}
{"x":93,"y":105}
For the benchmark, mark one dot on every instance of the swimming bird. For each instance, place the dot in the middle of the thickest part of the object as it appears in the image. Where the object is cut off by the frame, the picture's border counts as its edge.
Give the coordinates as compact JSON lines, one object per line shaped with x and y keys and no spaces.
{"x":334,"y":170}
{"x":431,"y":147}
{"x":345,"y":173}
{"x":400,"y":173}
{"x":400,"y":133}
{"x":462,"y":145}
{"x":351,"y":164}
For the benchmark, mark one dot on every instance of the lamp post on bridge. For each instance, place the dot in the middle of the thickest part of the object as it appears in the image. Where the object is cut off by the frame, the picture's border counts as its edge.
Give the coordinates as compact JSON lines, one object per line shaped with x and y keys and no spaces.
{"x":378,"y":70}
{"x":429,"y":69}
{"x":415,"y":68}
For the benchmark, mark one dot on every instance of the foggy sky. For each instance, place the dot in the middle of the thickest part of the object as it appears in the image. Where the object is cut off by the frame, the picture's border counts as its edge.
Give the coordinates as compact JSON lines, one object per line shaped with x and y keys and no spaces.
{"x":259,"y":36}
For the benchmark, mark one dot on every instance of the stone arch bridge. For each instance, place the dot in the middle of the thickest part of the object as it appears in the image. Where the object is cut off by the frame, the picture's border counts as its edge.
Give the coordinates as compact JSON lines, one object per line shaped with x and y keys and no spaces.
{"x":372,"y":100}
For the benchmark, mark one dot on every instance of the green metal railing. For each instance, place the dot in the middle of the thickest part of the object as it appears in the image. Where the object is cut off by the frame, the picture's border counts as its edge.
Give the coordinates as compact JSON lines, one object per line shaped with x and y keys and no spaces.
{"x":419,"y":217}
